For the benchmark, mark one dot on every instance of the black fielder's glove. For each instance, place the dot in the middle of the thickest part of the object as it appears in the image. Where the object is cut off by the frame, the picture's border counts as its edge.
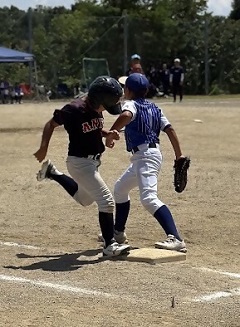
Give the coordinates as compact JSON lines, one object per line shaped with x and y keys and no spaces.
{"x":180,"y":173}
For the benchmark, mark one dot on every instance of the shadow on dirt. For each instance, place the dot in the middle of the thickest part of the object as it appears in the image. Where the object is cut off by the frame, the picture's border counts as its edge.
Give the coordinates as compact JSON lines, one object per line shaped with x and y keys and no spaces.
{"x":61,"y":262}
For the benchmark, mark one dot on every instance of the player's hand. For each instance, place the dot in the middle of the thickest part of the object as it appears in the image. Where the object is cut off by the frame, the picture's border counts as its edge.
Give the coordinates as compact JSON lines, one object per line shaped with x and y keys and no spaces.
{"x":109,"y":144}
{"x":115,"y":134}
{"x":111,"y":136}
{"x":40,"y":154}
{"x":179,"y":157}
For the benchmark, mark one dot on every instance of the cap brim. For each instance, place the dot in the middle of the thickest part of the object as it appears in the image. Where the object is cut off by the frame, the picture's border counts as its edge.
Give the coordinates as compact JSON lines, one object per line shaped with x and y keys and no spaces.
{"x":122,"y":79}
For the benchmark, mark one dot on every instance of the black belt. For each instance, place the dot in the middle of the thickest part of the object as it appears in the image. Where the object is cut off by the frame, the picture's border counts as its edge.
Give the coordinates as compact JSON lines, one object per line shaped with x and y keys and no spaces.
{"x":93,"y":156}
{"x":150,"y":145}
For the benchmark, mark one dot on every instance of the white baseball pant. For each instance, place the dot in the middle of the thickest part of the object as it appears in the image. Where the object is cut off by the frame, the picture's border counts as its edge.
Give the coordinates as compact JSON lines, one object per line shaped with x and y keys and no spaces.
{"x":142,"y":173}
{"x":91,"y":186}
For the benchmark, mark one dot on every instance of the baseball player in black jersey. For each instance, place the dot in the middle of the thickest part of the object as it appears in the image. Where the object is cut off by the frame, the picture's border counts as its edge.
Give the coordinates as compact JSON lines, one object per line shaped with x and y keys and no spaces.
{"x":83,"y":121}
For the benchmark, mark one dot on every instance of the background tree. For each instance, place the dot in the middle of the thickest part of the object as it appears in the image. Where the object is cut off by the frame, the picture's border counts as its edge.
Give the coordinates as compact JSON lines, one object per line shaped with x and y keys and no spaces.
{"x":235,"y":12}
{"x":158,"y":30}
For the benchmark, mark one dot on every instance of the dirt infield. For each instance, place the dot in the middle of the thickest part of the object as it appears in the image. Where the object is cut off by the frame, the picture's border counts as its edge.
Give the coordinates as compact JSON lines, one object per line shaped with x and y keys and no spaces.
{"x":51,"y":270}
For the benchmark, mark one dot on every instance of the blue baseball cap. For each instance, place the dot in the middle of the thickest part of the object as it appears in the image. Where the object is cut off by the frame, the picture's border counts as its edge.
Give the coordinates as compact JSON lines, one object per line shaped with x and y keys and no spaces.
{"x":137,"y":82}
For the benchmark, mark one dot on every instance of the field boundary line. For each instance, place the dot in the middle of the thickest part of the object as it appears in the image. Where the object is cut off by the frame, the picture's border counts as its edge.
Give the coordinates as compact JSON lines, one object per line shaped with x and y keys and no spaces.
{"x":61,"y":287}
{"x":217,"y":295}
{"x":25,"y":246}
{"x":226,"y":273}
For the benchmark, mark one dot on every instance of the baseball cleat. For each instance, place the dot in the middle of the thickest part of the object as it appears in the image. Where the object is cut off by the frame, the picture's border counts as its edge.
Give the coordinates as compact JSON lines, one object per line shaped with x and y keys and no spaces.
{"x":114,"y":249}
{"x":172,"y":243}
{"x":45,"y":171}
{"x":120,"y":237}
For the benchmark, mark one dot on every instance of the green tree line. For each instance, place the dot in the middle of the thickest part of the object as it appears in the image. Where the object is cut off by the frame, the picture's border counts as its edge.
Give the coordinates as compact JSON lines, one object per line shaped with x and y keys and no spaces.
{"x":158,"y":30}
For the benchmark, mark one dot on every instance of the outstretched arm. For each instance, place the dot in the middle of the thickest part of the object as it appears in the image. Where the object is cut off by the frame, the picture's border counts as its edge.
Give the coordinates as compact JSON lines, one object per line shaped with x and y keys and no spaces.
{"x":121,"y":122}
{"x":174,"y":141}
{"x":46,"y":136}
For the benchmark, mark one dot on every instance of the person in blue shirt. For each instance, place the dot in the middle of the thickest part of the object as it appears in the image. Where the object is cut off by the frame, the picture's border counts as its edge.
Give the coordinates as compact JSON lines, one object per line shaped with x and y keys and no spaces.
{"x":143,"y":122}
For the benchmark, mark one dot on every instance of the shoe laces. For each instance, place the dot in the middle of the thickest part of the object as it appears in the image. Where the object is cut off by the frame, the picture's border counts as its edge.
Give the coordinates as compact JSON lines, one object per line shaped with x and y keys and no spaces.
{"x":170,"y":239}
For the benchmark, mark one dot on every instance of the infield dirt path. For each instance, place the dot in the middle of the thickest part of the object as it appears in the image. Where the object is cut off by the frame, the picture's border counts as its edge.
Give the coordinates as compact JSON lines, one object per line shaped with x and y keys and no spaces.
{"x":54,"y":275}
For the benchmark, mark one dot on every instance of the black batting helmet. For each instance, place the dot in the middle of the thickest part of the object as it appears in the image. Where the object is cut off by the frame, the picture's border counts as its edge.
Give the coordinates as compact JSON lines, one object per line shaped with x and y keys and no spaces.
{"x":106,"y":91}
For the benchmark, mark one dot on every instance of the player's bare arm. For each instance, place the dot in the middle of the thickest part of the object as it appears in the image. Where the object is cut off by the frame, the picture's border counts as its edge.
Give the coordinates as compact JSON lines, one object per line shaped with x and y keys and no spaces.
{"x":46,"y":136}
{"x":123,"y":120}
{"x":174,"y":141}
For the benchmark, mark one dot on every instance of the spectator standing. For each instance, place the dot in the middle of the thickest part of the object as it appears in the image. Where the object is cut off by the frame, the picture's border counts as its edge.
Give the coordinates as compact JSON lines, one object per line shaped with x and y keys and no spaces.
{"x":135,"y":59}
{"x":176,"y":79}
{"x":4,"y":91}
{"x":165,"y":80}
{"x":153,"y":76}
{"x":16,"y":94}
{"x":136,"y":68}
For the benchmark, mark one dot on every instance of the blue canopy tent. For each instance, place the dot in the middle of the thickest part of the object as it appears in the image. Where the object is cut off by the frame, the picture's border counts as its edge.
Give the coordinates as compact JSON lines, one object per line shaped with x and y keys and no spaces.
{"x":14,"y":56}
{"x":10,"y":55}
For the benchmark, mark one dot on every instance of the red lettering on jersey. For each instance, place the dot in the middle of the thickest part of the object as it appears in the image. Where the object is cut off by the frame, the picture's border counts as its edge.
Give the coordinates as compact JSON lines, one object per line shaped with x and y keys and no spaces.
{"x":100,"y":120}
{"x":86,"y":127}
{"x":96,"y":123}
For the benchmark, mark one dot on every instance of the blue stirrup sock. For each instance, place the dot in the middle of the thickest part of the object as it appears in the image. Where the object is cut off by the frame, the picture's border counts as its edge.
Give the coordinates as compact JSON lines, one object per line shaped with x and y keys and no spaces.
{"x":66,"y":182}
{"x":121,"y":215}
{"x":165,"y":219}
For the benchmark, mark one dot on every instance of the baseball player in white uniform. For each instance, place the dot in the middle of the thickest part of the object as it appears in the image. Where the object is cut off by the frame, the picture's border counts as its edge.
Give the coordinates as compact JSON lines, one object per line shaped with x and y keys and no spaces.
{"x":143,"y":121}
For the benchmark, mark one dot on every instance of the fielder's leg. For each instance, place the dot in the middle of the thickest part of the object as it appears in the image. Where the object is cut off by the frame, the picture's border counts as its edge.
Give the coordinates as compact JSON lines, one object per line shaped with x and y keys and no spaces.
{"x":147,"y":174}
{"x":122,"y":188}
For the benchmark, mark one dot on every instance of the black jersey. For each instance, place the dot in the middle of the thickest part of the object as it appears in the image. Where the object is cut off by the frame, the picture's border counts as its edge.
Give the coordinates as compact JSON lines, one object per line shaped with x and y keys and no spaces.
{"x":176,"y":74}
{"x":165,"y":75}
{"x":84,"y":127}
